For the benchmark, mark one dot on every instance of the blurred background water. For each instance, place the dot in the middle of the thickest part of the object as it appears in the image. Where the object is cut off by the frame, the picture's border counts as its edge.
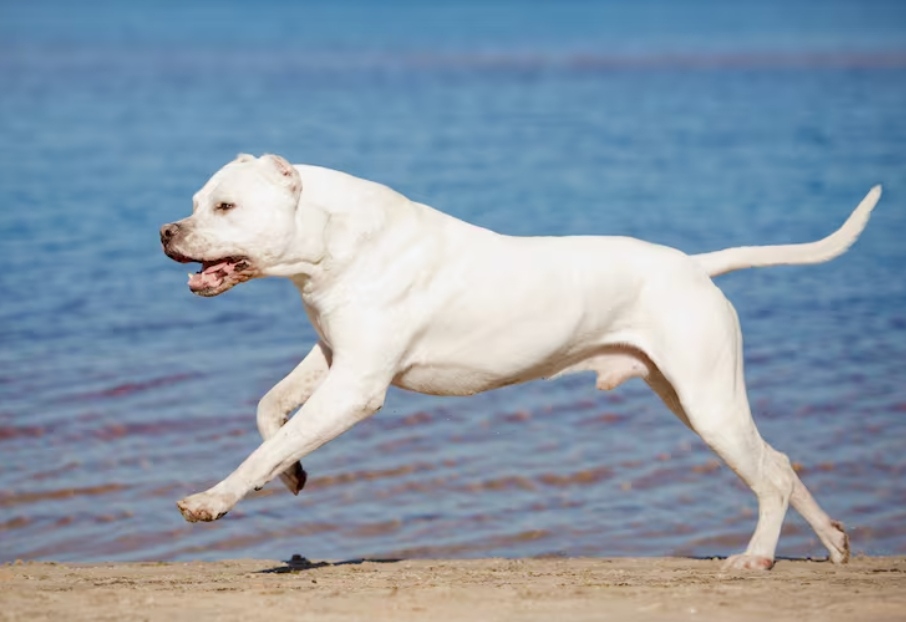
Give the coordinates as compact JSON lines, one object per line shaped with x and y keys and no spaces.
{"x":698,"y":124}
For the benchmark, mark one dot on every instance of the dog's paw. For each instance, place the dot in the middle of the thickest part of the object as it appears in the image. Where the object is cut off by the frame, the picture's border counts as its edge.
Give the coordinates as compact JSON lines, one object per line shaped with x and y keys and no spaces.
{"x":204,"y":506}
{"x":294,"y":478}
{"x":838,"y":543}
{"x":744,"y":561}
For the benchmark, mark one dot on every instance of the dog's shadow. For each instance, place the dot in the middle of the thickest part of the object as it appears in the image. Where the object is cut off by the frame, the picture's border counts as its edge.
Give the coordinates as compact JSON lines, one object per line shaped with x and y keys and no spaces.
{"x":297,"y":563}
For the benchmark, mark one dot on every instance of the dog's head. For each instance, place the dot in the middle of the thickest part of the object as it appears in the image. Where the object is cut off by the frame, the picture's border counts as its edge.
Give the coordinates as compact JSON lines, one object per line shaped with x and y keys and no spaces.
{"x":242,"y":225}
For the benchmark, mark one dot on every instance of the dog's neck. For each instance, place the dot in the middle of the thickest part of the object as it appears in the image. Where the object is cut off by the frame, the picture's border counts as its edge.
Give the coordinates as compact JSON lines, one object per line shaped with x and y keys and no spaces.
{"x":326,"y":242}
{"x":339,"y":221}
{"x":303,"y":257}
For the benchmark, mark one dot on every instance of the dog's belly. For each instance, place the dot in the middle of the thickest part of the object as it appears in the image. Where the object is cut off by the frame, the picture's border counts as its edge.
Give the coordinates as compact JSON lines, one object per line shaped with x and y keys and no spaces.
{"x":464,"y":352}
{"x":441,"y":379}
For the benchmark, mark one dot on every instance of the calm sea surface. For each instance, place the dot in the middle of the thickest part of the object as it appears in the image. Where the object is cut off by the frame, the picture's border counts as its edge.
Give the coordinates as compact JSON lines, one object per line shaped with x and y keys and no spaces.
{"x":700,"y":125}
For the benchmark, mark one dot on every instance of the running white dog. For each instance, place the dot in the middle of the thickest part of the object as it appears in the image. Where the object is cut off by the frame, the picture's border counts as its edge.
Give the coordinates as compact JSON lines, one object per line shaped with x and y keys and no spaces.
{"x":402,"y":294}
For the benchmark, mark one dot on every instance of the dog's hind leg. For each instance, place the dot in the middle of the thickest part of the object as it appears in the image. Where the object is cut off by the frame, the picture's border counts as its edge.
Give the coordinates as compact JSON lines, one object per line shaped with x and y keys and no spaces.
{"x":725,"y":424}
{"x":830,"y":532}
{"x":708,"y":394}
{"x":288,"y":395}
{"x":699,"y":375}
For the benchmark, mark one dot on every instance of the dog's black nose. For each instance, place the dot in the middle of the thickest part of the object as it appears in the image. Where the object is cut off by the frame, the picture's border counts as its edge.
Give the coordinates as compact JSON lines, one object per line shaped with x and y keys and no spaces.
{"x":167,"y":232}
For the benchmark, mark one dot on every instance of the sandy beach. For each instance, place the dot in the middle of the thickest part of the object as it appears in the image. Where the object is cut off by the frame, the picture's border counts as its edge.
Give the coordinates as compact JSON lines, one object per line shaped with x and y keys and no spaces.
{"x":485,"y":589}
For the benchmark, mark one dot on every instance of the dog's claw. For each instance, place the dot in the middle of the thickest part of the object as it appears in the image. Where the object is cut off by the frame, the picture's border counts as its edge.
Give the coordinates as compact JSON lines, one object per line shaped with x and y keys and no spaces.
{"x":294,"y":478}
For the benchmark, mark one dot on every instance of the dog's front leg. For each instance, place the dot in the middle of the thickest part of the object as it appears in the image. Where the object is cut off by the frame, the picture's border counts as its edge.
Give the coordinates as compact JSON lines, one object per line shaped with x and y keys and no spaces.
{"x":346,"y":396}
{"x":288,"y":394}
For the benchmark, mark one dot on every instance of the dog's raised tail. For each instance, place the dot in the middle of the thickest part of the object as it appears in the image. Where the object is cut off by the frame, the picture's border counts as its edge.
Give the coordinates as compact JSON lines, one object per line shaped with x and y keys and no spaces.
{"x":740,"y":257}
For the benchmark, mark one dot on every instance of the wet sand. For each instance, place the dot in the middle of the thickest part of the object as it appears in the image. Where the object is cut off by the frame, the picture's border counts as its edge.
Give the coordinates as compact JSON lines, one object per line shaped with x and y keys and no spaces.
{"x":485,"y":589}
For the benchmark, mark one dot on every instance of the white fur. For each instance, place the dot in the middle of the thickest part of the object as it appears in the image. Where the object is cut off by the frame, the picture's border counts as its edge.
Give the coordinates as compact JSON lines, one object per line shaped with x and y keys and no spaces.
{"x":402,"y":294}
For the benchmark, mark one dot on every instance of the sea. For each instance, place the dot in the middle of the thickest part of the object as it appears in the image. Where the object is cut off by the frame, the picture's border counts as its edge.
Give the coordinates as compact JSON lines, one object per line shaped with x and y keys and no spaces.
{"x":699,"y":124}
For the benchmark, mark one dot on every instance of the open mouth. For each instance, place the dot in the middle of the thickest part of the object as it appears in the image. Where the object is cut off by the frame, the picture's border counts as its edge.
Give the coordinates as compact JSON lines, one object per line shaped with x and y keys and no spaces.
{"x":216,"y":275}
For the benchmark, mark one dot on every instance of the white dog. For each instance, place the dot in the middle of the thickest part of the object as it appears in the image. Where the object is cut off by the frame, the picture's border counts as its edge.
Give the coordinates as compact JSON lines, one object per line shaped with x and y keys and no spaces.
{"x":402,"y":294}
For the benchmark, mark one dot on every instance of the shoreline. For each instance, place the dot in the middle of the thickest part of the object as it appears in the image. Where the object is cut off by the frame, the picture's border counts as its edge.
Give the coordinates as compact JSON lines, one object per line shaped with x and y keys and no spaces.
{"x":868,"y":588}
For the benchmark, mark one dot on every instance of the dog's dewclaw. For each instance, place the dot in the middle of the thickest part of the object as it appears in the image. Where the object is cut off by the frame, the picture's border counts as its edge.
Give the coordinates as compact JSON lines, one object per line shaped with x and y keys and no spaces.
{"x":294,"y":478}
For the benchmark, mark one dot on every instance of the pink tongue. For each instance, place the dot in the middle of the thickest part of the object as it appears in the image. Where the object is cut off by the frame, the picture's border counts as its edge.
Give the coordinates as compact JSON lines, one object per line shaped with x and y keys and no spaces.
{"x":212,"y":276}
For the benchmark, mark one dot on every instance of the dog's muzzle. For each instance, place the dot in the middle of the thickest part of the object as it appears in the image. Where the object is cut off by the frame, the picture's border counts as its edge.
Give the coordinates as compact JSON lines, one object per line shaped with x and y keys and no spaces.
{"x":168,"y":232}
{"x":168,"y":237}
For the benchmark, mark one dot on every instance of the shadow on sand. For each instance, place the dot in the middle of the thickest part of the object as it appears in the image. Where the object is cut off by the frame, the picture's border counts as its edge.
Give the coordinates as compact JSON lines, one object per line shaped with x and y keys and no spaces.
{"x":297,"y":563}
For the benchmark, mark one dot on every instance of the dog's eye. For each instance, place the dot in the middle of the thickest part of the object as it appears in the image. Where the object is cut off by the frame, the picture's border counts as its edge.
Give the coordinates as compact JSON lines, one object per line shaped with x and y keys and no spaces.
{"x":224,"y":207}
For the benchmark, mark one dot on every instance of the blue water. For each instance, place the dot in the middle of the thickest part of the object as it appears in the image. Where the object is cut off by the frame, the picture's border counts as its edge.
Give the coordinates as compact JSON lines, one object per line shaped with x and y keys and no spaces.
{"x":700,"y":125}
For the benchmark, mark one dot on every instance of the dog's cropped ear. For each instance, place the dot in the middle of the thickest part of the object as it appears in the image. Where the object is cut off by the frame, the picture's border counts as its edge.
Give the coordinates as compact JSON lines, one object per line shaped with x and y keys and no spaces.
{"x":287,"y":171}
{"x":244,"y":157}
